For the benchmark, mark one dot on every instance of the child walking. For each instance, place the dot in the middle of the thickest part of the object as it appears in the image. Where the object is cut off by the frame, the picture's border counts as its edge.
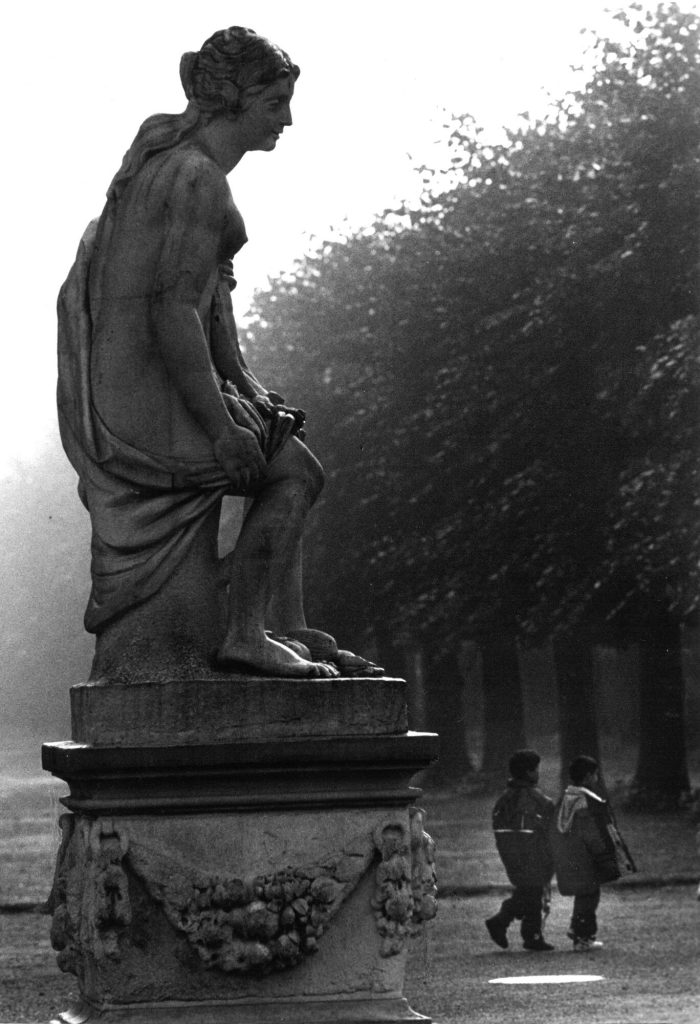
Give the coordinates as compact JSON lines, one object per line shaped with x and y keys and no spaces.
{"x":521,"y":821}
{"x":588,"y":850}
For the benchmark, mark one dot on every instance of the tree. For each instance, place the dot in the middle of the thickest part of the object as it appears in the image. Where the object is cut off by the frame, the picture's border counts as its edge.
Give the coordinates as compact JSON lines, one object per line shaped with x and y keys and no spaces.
{"x":662,"y":772}
{"x":578,"y":733}
{"x":504,"y":729}
{"x":476,"y":368}
{"x":446,"y":712}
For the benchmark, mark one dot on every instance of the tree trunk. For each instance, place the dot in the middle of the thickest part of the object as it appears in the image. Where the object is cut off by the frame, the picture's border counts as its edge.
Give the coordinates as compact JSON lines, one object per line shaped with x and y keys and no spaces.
{"x":578,"y":729}
{"x":661,"y":777}
{"x":390,"y":654}
{"x":407,"y":662}
{"x":444,"y":690}
{"x":504,"y":717}
{"x":417,"y":693}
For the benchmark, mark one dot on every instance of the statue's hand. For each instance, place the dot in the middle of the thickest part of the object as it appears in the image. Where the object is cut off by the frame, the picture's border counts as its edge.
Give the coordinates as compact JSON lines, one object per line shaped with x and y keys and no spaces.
{"x":245,"y":415}
{"x":266,"y":404}
{"x":270,"y":408}
{"x":240,"y":457}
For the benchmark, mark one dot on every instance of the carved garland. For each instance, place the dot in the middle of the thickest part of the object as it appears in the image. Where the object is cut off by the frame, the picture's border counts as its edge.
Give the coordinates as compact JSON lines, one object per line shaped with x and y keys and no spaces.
{"x":269,"y":923}
{"x":406,"y":892}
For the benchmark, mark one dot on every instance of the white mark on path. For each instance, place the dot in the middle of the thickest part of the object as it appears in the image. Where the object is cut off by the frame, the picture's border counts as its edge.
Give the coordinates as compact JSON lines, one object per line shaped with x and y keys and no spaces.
{"x":546,"y":979}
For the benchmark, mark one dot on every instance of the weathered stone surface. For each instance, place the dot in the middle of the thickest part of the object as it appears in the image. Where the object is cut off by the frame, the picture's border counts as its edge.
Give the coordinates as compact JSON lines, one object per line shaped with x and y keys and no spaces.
{"x":239,"y":849}
{"x":309,"y":904}
{"x":226,"y":708}
{"x":160,"y":414}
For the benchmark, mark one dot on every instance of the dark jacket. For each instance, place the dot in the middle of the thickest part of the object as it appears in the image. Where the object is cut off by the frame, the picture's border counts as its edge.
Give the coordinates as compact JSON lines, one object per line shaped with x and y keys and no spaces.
{"x":587,"y":847}
{"x":521,"y":822}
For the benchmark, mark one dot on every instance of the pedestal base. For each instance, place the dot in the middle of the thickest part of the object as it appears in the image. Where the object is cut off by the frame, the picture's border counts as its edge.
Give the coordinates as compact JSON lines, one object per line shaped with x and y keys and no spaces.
{"x":266,"y":881}
{"x":292,"y":1011}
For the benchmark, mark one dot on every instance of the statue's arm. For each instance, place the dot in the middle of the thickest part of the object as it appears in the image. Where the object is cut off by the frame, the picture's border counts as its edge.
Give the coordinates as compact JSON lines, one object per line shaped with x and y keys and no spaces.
{"x":188,"y":257}
{"x":226,"y":350}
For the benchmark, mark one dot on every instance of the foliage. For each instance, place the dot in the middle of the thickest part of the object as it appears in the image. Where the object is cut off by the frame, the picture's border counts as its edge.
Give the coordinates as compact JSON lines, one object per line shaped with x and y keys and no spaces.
{"x":502,"y":381}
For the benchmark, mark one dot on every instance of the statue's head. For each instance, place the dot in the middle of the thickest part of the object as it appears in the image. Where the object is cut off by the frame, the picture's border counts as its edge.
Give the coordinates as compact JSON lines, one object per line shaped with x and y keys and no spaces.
{"x":232,"y":67}
{"x":223,"y":78}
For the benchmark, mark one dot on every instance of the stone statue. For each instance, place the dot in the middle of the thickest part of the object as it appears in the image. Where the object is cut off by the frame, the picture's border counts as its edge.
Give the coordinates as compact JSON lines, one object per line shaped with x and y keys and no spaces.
{"x":159,"y":413}
{"x":242,"y":842}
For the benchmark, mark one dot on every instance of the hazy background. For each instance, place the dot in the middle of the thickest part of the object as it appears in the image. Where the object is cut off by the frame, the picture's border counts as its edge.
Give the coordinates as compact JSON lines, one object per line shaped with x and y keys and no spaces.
{"x":79,"y":77}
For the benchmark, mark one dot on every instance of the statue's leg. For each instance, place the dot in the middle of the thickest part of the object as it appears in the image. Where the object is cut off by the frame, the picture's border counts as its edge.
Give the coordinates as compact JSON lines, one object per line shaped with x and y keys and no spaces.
{"x":267,"y":556}
{"x":285,"y":611}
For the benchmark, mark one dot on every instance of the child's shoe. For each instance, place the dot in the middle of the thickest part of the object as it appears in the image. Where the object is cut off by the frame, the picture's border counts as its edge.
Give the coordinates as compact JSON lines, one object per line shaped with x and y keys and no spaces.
{"x":586,"y":945}
{"x":537,"y":945}
{"x":497,"y":931}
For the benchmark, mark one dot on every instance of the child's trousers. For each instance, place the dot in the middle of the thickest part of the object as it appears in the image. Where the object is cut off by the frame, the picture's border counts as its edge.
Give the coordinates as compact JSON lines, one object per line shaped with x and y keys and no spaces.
{"x":584,"y":924}
{"x":525,"y":905}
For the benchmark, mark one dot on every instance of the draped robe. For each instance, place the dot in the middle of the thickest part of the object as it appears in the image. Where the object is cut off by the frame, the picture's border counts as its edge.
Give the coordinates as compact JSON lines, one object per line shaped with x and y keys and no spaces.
{"x":147,"y":472}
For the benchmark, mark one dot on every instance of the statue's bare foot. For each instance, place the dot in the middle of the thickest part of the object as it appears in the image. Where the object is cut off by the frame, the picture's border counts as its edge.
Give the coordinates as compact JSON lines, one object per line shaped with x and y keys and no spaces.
{"x":354,"y":665}
{"x":323,"y":647}
{"x":270,"y":658}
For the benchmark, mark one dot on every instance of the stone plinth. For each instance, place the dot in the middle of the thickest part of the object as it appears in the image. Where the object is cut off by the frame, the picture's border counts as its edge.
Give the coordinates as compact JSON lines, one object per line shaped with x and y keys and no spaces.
{"x":219,"y":709}
{"x":254,"y":876}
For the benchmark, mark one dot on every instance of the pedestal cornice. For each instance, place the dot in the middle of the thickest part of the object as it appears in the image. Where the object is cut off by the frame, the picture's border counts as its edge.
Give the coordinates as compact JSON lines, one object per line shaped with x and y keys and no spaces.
{"x":313,"y":772}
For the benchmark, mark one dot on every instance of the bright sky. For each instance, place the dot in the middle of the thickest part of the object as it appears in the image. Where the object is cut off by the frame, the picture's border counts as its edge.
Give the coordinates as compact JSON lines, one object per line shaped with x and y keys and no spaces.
{"x":81,"y":75}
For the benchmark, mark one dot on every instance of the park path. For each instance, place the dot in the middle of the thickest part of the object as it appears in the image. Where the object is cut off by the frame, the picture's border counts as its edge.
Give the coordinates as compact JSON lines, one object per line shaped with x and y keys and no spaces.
{"x":649,"y":966}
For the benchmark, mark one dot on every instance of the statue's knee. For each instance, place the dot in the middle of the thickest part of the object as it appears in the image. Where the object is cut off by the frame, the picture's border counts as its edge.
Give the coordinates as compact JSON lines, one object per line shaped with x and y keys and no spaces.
{"x":297,"y":465}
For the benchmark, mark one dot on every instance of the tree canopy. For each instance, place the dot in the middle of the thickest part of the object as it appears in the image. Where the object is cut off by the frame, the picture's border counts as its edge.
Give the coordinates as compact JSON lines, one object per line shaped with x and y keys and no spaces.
{"x":502,"y":379}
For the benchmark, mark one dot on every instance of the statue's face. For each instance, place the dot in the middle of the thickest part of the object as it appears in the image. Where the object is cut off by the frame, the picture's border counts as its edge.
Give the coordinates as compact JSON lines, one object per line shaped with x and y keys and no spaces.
{"x":267,"y":115}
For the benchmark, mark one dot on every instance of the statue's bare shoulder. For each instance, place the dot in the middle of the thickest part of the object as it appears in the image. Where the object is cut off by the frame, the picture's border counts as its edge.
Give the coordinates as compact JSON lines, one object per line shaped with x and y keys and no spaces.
{"x":187,"y":181}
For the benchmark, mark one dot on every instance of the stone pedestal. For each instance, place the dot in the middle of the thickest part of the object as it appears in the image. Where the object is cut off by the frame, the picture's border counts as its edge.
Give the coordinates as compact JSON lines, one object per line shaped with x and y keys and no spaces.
{"x":241,"y":850}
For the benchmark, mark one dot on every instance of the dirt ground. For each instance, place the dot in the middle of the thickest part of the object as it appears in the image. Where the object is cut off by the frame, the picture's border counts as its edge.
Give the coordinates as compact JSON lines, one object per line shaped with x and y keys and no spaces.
{"x":649,"y":968}
{"x":31,"y":986}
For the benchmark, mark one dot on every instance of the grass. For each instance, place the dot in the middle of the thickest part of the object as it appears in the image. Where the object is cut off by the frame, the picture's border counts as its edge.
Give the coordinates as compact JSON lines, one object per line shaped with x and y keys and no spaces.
{"x":664,"y":846}
{"x":29,"y":835}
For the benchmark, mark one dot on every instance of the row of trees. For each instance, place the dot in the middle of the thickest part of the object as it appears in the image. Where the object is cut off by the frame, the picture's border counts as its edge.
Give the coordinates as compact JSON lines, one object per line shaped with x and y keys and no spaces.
{"x":502,"y":381}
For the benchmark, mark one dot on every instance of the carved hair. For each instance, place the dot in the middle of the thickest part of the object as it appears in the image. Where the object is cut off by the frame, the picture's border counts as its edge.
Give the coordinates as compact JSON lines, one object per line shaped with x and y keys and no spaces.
{"x":232,"y":67}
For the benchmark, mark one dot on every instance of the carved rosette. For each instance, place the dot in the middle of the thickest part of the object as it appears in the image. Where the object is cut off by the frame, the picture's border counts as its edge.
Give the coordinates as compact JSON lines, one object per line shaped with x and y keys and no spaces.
{"x":406,"y":891}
